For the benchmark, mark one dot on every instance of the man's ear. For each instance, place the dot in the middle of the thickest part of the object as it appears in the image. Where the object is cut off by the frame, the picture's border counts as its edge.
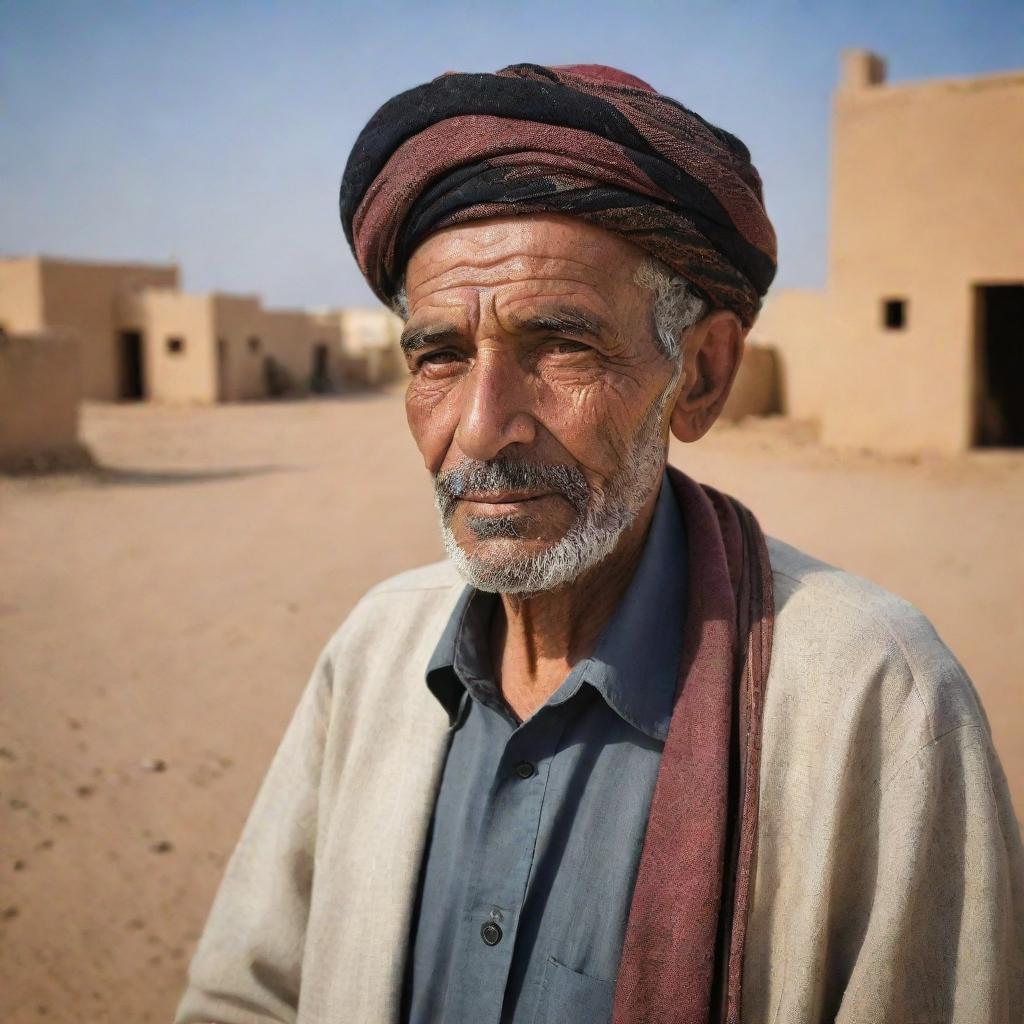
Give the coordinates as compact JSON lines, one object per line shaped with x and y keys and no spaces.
{"x":712,"y":350}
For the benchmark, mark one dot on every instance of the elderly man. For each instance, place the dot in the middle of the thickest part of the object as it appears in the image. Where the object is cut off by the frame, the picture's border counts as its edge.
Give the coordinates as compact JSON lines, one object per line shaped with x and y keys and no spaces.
{"x":619,"y":758}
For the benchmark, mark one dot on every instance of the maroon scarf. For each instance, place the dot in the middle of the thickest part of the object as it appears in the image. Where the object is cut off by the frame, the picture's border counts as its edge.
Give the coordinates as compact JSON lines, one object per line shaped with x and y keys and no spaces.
{"x":682,"y":962}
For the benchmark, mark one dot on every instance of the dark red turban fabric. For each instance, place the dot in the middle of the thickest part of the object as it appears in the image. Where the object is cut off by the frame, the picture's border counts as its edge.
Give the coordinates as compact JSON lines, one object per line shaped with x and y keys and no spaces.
{"x":586,"y":141}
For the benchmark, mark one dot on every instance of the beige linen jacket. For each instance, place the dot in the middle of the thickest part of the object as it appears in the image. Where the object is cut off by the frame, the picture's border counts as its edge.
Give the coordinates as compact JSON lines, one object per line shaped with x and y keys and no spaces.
{"x":890,"y":877}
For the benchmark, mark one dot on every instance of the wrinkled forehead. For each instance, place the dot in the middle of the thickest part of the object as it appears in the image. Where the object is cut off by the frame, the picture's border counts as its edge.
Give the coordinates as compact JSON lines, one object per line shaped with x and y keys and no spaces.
{"x":523,"y":255}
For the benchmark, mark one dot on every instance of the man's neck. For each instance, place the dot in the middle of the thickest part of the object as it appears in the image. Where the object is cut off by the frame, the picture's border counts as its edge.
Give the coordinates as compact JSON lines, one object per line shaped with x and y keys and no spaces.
{"x":536,"y":640}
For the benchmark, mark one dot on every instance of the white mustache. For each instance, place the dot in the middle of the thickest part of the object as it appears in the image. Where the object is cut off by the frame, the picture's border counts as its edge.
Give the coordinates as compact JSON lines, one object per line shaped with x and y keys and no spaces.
{"x":473,"y":477}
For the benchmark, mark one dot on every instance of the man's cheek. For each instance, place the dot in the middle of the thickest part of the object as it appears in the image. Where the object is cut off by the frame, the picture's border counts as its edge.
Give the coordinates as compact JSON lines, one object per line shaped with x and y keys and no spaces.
{"x":432,"y":419}
{"x":593,"y":435}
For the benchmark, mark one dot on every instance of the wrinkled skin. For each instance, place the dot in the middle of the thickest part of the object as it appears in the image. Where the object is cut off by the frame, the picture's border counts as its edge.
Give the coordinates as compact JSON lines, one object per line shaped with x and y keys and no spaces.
{"x":528,"y":337}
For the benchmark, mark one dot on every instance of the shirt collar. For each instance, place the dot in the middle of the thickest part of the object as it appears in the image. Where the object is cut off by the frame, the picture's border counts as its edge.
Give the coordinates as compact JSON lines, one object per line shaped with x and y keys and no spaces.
{"x":635,"y":665}
{"x":461,"y":659}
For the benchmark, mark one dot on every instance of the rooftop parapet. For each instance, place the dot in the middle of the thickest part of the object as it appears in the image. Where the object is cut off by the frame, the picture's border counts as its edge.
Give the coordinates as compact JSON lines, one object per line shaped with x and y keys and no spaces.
{"x":861,"y":69}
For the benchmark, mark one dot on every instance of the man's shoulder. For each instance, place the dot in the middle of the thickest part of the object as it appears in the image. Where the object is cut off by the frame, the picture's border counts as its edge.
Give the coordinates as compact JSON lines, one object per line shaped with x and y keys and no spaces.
{"x":809,"y":585}
{"x":401,"y":611}
{"x":438,"y":576}
{"x":850,"y":606}
{"x":855,"y":636}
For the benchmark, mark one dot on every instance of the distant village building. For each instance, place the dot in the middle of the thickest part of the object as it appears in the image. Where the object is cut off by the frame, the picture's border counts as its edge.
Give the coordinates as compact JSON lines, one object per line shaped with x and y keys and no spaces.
{"x":370,"y":340}
{"x":40,"y":389}
{"x":141,"y":337}
{"x":917,"y":342}
{"x":756,"y":391}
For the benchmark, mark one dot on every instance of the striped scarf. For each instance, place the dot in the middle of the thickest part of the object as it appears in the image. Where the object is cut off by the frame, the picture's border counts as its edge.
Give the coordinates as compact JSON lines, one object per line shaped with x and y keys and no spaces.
{"x":585,"y":141}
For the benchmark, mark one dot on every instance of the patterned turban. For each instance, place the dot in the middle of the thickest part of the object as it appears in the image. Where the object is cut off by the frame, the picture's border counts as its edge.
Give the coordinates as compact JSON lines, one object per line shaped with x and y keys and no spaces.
{"x":586,"y":141}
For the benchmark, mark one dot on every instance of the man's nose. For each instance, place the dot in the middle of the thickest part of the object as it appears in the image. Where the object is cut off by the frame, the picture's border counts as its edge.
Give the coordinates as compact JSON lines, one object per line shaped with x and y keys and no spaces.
{"x":496,"y":406}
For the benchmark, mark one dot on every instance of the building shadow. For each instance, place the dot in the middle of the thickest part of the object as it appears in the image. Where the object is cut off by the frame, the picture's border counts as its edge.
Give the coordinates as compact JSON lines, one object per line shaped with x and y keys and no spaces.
{"x":114,"y":476}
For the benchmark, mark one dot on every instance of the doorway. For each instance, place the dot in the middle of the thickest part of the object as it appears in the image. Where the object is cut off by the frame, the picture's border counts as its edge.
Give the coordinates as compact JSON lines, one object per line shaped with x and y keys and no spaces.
{"x":999,"y":411}
{"x":132,"y":384}
{"x":320,"y":377}
{"x":223,"y":393}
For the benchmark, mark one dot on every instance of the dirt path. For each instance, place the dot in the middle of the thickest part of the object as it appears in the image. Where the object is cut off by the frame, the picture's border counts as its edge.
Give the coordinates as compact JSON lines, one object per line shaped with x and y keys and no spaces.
{"x":158,"y":620}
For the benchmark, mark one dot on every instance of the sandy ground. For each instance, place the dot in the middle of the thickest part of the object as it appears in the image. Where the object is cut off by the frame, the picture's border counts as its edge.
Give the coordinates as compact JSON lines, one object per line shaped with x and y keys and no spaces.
{"x":159,"y":618}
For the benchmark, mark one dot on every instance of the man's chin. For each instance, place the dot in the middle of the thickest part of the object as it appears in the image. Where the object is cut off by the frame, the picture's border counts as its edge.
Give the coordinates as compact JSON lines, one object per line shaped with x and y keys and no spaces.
{"x":498,"y":549}
{"x":506,"y":565}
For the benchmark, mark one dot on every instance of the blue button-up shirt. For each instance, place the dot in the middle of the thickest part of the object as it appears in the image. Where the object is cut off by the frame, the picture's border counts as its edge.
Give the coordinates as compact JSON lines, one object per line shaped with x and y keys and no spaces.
{"x":538,"y":826}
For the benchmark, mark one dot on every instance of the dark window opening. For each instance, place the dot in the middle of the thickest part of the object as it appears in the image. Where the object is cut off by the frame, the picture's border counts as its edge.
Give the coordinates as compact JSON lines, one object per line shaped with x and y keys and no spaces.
{"x":254,"y":344}
{"x":999,"y":416}
{"x":894,"y":314}
{"x":132,"y":385}
{"x":175,"y":345}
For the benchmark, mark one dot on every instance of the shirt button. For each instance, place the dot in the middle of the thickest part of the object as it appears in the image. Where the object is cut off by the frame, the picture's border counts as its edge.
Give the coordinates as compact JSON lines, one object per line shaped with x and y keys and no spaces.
{"x":524,"y":769}
{"x":490,"y":933}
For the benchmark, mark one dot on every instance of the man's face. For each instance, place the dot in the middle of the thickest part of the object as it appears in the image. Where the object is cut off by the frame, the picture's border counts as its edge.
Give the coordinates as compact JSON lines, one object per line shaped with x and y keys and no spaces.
{"x":537,"y":394}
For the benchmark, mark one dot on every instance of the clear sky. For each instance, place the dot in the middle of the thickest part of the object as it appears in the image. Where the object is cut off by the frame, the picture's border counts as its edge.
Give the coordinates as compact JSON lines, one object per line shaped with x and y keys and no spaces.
{"x":215,"y":133}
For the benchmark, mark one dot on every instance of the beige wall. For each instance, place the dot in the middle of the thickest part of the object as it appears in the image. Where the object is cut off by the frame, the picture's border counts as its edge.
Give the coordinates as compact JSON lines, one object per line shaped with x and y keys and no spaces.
{"x":243,"y":336}
{"x":370,"y":342}
{"x":296,"y":336}
{"x":290,"y":335}
{"x":369,"y":328}
{"x":795,"y":323}
{"x":21,"y":296}
{"x":189,"y":375}
{"x":40,"y":390}
{"x":87,"y":298}
{"x":926,"y":179}
{"x":755,"y":391}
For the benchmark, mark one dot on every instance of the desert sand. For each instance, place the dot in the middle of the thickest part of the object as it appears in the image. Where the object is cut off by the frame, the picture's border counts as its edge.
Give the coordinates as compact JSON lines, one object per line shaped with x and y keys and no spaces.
{"x":159,"y":616}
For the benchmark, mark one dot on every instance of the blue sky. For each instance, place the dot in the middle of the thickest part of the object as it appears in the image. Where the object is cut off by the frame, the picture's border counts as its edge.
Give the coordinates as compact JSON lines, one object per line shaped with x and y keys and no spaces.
{"x":215,"y":133}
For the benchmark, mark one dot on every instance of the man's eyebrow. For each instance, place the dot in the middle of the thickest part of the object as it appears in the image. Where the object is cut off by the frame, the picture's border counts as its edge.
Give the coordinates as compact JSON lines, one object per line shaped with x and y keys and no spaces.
{"x":420,"y":337}
{"x":564,"y":320}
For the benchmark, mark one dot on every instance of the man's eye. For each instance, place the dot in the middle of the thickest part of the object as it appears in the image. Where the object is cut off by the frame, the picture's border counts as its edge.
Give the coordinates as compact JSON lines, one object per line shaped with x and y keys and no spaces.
{"x":444,"y":362}
{"x":439,"y":357}
{"x":565,"y":346}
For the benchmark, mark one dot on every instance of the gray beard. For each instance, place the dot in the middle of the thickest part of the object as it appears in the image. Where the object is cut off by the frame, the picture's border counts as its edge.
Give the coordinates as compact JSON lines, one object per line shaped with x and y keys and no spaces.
{"x":601,"y":519}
